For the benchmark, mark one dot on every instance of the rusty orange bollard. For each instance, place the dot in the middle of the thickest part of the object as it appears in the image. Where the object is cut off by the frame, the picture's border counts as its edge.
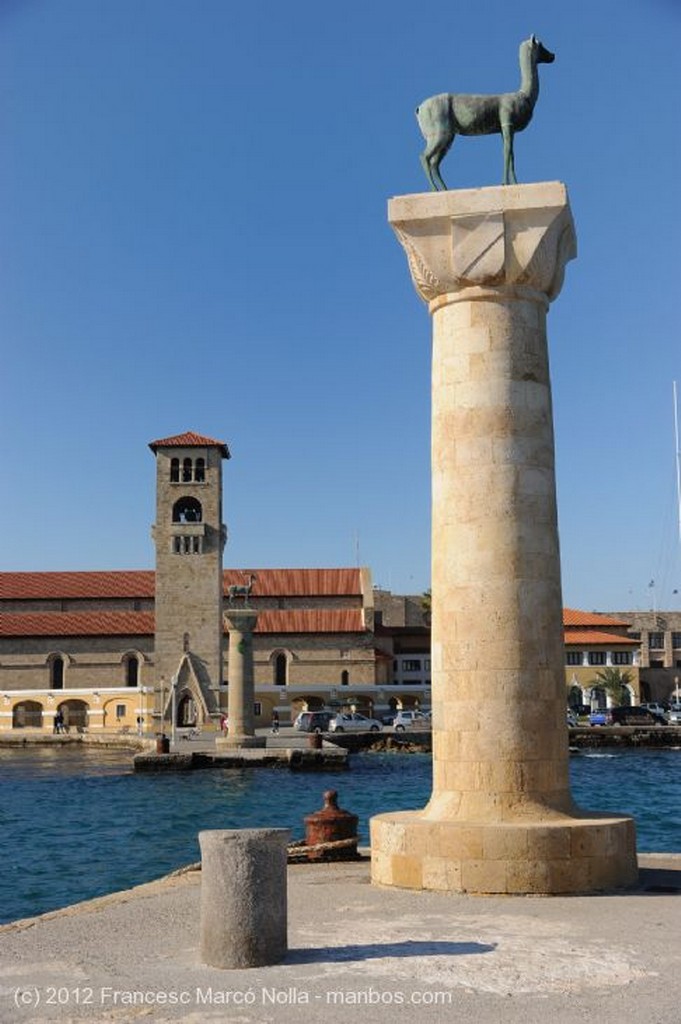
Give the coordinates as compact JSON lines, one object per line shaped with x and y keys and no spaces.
{"x":331,"y":825}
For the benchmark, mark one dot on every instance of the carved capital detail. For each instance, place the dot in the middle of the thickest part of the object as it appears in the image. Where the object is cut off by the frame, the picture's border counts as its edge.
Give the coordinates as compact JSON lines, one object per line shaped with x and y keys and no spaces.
{"x":503,"y":237}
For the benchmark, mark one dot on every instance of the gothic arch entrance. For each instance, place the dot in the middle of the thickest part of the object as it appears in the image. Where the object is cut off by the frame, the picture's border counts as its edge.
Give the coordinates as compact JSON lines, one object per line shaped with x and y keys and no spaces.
{"x":187,"y":711}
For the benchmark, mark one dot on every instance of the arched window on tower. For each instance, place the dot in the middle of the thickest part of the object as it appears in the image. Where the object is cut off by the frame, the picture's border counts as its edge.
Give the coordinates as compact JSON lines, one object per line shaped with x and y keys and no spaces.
{"x":200,"y":471}
{"x":174,"y":471}
{"x":187,"y":510}
{"x":187,"y":473}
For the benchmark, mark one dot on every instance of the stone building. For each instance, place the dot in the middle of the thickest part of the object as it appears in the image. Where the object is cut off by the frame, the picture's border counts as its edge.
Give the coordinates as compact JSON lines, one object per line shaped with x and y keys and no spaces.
{"x":659,"y":636}
{"x":107,"y":648}
{"x":595,"y":643}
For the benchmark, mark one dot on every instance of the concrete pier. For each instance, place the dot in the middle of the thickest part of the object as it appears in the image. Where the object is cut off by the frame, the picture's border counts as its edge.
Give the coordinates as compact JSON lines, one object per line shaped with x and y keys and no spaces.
{"x":357,"y":953}
{"x":501,"y":817}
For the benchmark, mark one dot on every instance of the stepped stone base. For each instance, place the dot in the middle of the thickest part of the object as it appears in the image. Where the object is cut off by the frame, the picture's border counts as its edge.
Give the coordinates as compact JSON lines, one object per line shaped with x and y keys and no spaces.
{"x":231,"y":742}
{"x":556,"y":856}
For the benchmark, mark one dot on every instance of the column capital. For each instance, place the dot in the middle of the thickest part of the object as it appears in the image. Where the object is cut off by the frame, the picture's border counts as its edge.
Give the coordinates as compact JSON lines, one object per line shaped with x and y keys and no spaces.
{"x":243,"y":620}
{"x":510,"y":238}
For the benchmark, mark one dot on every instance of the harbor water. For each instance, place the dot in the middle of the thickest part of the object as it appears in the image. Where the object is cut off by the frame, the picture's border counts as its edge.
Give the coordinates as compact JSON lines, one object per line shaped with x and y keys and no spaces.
{"x":80,"y":823}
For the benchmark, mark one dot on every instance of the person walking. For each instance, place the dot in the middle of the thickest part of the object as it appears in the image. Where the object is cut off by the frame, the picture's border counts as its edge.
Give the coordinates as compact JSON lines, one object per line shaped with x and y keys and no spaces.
{"x":275,"y":722}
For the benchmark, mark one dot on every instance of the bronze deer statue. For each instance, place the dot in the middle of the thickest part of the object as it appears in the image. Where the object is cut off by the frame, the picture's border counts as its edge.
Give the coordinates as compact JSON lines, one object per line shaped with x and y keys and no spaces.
{"x":443,"y":117}
{"x":241,"y":590}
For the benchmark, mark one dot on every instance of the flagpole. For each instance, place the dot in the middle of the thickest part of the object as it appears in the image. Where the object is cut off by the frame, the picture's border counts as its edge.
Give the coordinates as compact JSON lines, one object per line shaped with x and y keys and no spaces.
{"x":677,"y":449}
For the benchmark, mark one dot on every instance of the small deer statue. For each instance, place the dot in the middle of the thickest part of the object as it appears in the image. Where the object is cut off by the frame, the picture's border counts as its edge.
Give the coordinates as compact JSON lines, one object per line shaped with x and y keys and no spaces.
{"x":443,"y":117}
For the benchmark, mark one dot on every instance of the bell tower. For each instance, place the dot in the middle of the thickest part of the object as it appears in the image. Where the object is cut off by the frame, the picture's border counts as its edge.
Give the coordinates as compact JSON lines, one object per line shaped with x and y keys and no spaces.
{"x":189,"y":536}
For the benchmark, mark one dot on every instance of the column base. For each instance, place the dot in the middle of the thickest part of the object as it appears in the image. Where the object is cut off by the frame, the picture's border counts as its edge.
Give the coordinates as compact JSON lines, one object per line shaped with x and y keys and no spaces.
{"x":565,"y":856}
{"x":232,"y":742}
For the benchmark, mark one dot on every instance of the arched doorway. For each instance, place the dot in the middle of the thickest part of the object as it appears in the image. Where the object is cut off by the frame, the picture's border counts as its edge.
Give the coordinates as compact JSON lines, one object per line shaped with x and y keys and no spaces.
{"x":575,"y":697}
{"x":27,"y":714}
{"x":187,"y":711}
{"x":599,"y":699}
{"x":75,"y":714}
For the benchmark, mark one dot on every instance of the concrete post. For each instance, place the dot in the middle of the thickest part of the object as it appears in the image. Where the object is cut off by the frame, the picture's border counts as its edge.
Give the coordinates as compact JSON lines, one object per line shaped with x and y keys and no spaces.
{"x":241,"y":725}
{"x":501,"y":817}
{"x":243,"y":897}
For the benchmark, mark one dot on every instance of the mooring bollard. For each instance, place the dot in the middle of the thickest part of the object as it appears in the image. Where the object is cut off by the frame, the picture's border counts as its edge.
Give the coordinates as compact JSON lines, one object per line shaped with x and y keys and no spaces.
{"x":243,"y":896}
{"x":331,"y":825}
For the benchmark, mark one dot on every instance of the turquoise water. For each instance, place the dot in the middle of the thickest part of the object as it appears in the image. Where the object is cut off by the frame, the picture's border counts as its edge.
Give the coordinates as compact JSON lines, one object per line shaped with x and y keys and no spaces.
{"x":78,"y":824}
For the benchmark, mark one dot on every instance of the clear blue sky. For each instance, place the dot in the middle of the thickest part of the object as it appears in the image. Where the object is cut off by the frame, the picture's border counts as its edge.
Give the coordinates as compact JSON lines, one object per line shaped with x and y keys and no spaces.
{"x":193,"y":236}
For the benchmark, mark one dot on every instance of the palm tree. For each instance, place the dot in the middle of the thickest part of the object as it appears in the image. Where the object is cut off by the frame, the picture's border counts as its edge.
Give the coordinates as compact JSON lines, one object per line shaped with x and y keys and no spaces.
{"x":615,"y":682}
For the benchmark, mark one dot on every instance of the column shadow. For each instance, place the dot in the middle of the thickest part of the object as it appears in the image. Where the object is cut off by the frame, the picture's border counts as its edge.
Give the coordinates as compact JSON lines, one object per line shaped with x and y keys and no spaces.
{"x":379,"y":951}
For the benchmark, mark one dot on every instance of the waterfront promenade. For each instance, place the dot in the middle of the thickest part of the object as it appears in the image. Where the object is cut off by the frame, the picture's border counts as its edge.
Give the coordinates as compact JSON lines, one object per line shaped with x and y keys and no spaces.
{"x":358,"y":952}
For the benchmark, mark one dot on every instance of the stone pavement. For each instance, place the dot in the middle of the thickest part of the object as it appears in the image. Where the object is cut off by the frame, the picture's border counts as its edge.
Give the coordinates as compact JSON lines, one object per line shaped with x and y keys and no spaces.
{"x":358,"y":953}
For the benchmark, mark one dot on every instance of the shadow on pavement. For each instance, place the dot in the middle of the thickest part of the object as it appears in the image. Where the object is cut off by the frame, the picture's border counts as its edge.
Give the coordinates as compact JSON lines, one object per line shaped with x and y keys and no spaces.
{"x":378,"y":951}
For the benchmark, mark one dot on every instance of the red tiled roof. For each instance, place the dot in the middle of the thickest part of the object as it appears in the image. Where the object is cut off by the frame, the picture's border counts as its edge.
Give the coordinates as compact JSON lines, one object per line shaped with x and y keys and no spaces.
{"x":140,"y":583}
{"x":298,"y":582}
{"x":190,"y":440}
{"x":79,"y":624}
{"x":594,"y":637}
{"x":575,"y":617}
{"x":52,"y":585}
{"x":303,"y":620}
{"x":297,"y":620}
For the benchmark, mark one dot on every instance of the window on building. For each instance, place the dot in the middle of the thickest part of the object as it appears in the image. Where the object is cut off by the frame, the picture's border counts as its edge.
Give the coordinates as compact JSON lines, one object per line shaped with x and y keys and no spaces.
{"x":621,"y":657}
{"x":187,"y":510}
{"x":676,"y":639}
{"x":200,"y":471}
{"x":174,"y":471}
{"x":411,"y":665}
{"x":120,"y":711}
{"x":426,"y":664}
{"x":280,"y":669}
{"x":574,"y":657}
{"x":597,"y":657}
{"x":57,"y":673}
{"x":656,"y":641}
{"x":132,"y":670}
{"x":187,"y":471}
{"x":345,"y":677}
{"x":257,"y":708}
{"x":656,"y":663}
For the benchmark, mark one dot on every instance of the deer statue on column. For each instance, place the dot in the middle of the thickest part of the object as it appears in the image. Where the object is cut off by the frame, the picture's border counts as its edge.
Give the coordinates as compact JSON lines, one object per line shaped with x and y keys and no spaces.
{"x":441,"y":118}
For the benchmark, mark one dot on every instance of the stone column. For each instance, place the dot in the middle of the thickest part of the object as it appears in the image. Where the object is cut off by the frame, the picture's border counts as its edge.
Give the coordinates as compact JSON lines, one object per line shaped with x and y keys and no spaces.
{"x":241,"y":722}
{"x":501,"y":817}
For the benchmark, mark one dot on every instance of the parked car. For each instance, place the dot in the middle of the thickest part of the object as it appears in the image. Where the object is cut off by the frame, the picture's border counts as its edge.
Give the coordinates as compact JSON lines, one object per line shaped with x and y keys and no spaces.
{"x":675,"y":714}
{"x":411,"y":720}
{"x":354,"y":722}
{"x":389,"y":718}
{"x":658,"y":710}
{"x":313,"y":721}
{"x":634,"y":715}
{"x":601,"y":716}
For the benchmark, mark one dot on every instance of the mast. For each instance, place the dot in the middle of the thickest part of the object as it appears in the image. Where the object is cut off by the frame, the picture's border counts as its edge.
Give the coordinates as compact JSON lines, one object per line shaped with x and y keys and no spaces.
{"x":677,"y":449}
